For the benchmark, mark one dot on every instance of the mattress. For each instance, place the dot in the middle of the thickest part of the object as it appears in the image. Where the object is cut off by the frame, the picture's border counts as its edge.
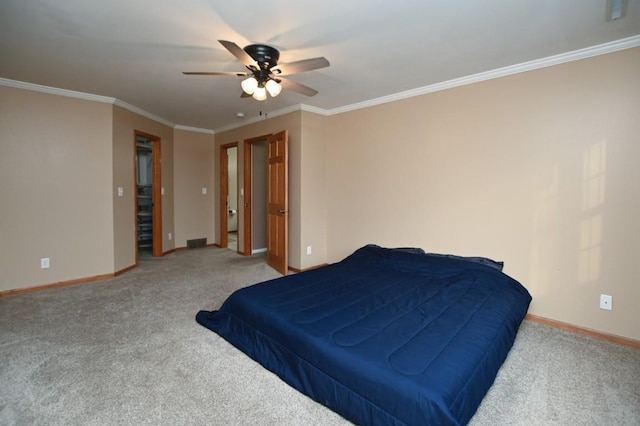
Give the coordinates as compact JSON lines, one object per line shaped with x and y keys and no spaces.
{"x":386,"y":336}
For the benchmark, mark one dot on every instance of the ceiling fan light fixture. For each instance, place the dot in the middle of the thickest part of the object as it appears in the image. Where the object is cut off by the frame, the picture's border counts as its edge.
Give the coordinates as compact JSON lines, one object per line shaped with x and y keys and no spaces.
{"x":262,"y":74}
{"x":260,"y":94}
{"x":249,"y":85}
{"x":273,"y":87}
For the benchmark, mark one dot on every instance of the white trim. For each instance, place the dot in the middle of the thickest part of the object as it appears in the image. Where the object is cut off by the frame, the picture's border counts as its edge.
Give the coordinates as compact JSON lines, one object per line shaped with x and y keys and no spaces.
{"x":286,"y":110}
{"x":55,"y":91}
{"x":283,"y":111}
{"x":143,"y":113}
{"x":315,"y":110}
{"x":194,"y":129}
{"x":272,"y":114}
{"x":84,"y":96}
{"x":243,"y":122}
{"x":601,"y":49}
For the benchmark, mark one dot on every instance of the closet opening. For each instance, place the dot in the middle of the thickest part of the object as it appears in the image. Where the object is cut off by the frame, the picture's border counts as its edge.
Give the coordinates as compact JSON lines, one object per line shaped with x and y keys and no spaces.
{"x":148,"y":192}
{"x":255,"y":195}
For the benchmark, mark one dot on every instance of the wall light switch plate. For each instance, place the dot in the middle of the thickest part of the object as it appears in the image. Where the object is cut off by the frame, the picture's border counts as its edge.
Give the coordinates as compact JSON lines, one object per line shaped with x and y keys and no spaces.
{"x":204,"y":191}
{"x":45,"y":263}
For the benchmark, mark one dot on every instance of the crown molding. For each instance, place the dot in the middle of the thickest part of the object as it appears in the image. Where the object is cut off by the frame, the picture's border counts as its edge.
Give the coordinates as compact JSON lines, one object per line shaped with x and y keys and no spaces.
{"x":266,"y":116}
{"x":601,"y":49}
{"x":193,"y":129}
{"x":283,"y":111}
{"x":84,"y":96}
{"x":243,"y":122}
{"x":55,"y":91}
{"x":143,"y":113}
{"x":315,"y":110}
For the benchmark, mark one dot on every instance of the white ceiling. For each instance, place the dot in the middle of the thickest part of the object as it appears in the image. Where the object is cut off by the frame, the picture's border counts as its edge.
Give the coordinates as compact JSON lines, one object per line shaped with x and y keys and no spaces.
{"x":135,"y":50}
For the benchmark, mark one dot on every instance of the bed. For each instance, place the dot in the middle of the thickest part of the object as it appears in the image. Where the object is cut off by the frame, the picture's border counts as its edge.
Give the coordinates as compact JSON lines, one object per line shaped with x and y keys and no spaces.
{"x":385,"y":336}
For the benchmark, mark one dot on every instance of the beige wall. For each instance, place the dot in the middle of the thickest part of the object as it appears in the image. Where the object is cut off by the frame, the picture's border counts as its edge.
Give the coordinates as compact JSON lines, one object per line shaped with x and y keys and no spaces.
{"x":61,"y":162}
{"x":538,"y":169}
{"x":125,"y":123}
{"x":55,"y":169}
{"x":313,"y":195}
{"x":194,"y":156}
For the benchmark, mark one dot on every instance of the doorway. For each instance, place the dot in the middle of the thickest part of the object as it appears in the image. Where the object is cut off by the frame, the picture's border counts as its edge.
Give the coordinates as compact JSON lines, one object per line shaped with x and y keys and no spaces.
{"x":229,"y":196}
{"x":270,"y":154}
{"x":148,"y":234}
{"x":259,"y":181}
{"x":255,"y":195}
{"x":276,"y":200}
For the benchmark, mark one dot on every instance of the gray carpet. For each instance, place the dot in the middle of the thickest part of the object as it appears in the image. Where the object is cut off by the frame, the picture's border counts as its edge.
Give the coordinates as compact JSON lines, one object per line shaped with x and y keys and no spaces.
{"x":128,"y":351}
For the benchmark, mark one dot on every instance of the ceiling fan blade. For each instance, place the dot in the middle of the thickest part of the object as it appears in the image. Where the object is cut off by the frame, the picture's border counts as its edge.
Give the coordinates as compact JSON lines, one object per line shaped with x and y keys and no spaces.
{"x":239,"y":53}
{"x":297,"y":87}
{"x":245,"y":95}
{"x":237,"y":74}
{"x":300,"y":66}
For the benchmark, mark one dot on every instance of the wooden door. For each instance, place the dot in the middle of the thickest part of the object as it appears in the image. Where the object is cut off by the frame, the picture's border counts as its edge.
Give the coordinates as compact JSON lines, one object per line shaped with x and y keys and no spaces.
{"x":278,"y":202}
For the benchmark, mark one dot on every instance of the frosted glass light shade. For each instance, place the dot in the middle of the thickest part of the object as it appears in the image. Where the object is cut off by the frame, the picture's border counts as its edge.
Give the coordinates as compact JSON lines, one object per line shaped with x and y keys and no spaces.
{"x":273,"y":87}
{"x":260,"y":94}
{"x":249,"y":85}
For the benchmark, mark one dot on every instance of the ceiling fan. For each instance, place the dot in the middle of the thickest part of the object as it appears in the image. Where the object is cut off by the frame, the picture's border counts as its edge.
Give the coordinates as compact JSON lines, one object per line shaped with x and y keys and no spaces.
{"x":264,"y":73}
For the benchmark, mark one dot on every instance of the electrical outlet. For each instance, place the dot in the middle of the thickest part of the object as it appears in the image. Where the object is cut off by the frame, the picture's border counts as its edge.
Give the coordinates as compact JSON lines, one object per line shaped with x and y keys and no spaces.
{"x":308,"y":250}
{"x":45,"y":263}
{"x":606,"y":302}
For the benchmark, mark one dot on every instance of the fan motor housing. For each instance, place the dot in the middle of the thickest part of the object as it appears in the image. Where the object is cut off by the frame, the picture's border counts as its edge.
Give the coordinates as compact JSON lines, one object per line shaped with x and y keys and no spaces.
{"x":262,"y":53}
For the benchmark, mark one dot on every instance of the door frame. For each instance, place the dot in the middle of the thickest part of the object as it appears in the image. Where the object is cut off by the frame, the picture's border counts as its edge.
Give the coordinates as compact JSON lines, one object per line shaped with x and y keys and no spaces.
{"x":224,"y":192}
{"x":156,"y":191}
{"x":247,"y":228}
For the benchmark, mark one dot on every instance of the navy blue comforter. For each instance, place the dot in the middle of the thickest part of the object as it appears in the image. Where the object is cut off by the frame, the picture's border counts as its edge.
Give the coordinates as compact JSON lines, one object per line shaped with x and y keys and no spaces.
{"x":385,"y":336}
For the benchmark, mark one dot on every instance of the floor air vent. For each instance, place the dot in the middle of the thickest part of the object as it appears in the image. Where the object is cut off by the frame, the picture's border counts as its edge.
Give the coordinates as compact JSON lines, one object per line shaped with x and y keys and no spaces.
{"x":197,"y":243}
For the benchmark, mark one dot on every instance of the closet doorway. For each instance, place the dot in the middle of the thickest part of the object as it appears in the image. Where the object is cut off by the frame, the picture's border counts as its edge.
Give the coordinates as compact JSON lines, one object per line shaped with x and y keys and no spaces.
{"x":148,"y":190}
{"x":229,"y":196}
{"x":255,"y":195}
